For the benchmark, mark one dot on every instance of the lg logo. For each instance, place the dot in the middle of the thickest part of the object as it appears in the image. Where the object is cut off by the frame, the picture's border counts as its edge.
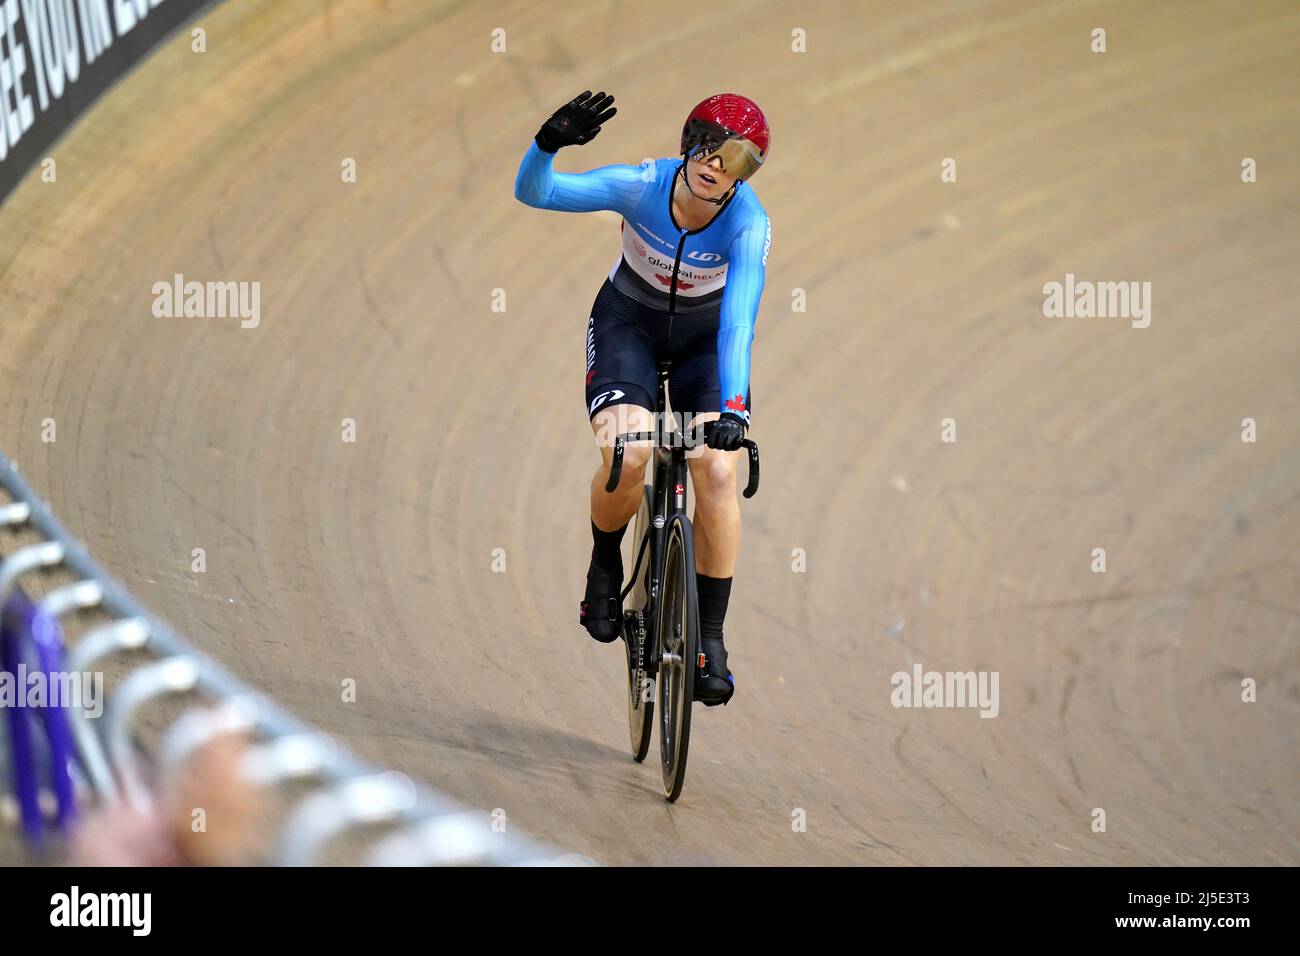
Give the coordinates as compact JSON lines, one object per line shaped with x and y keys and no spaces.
{"x":612,"y":395}
{"x":704,"y":256}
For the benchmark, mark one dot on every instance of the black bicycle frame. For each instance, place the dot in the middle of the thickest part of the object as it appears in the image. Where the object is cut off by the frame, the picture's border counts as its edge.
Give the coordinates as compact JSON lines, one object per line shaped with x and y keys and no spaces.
{"x":669,"y":484}
{"x":669,"y":498}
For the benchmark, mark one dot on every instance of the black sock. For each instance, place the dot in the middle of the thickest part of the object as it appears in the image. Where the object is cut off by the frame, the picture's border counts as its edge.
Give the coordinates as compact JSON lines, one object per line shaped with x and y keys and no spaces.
{"x":605,"y":553}
{"x":714,"y":594}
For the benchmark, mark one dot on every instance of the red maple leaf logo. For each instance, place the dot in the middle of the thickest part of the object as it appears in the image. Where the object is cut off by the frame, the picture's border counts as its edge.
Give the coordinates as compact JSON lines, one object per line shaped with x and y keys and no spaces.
{"x":736,"y":404}
{"x":590,"y":376}
{"x":667,"y":280}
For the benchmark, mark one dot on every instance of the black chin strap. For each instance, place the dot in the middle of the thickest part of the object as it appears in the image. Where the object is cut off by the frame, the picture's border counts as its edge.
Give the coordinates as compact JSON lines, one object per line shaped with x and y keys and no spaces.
{"x":681,"y":170}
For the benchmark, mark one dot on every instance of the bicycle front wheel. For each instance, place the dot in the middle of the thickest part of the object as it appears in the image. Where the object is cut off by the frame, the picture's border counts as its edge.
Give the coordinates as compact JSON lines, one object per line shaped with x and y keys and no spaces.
{"x":678,"y":627}
{"x":636,"y":640}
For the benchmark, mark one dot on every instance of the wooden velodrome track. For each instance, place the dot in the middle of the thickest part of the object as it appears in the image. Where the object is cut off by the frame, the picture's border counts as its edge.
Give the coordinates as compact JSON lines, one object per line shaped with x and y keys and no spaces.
{"x":374,"y":560}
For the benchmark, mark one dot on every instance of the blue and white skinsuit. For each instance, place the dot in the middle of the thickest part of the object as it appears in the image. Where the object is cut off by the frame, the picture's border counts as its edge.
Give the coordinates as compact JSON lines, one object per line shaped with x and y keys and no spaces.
{"x":689,"y":296}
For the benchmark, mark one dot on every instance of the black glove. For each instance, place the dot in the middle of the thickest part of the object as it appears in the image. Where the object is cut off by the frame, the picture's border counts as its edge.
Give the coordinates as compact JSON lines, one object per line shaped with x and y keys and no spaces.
{"x":575,"y":123}
{"x":726,"y":433}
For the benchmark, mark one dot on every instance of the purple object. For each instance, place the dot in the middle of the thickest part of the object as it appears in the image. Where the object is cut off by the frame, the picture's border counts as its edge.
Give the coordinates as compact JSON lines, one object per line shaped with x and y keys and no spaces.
{"x":20,"y":732}
{"x":23,"y":625}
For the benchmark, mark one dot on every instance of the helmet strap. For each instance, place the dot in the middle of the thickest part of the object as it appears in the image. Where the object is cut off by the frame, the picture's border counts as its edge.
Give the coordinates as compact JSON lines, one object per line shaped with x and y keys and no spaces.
{"x":717,"y":202}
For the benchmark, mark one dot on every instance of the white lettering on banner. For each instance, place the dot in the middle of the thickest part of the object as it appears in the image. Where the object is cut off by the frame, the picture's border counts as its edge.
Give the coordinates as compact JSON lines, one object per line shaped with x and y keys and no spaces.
{"x":67,"y":26}
{"x":52,"y":42}
{"x":128,"y":13}
{"x":38,"y":39}
{"x":6,"y":81}
{"x":96,"y":32}
{"x":43,"y":46}
{"x":16,"y":112}
{"x":53,"y":52}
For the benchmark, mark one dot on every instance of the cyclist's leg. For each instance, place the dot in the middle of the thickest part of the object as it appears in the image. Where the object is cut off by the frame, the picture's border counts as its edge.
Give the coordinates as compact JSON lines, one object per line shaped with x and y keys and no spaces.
{"x":717,"y":512}
{"x":717,"y":542}
{"x":693,"y":386}
{"x":621,"y":383}
{"x":613,"y":510}
{"x":620,"y":380}
{"x":695,"y":394}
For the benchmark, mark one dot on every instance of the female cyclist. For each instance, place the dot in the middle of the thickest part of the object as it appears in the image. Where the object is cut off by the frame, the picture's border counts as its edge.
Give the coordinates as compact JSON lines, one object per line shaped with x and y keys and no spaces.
{"x":685,"y":288}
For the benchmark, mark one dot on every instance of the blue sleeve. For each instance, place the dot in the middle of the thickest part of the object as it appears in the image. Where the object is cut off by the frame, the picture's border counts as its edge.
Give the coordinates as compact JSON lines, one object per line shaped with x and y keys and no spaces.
{"x":745,"y":275}
{"x":616,"y":188}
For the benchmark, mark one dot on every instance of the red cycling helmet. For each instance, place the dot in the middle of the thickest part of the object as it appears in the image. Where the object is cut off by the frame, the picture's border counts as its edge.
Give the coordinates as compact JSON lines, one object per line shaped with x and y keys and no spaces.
{"x":731,"y":127}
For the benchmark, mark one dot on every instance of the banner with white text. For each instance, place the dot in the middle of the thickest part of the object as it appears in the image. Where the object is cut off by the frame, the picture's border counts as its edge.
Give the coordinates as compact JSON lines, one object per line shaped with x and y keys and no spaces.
{"x":58,"y":56}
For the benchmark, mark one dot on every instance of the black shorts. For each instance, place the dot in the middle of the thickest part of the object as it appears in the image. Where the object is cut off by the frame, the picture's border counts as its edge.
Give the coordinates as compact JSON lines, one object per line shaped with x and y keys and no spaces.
{"x":625,"y":340}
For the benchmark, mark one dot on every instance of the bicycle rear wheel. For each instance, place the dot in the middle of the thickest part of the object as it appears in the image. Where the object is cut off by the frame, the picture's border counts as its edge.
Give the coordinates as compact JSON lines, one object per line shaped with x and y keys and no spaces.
{"x":678,"y":629}
{"x":637,"y":639}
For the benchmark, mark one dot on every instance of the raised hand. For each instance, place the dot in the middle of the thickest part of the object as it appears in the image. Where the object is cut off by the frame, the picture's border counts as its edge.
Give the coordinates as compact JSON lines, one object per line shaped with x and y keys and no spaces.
{"x":577,"y":122}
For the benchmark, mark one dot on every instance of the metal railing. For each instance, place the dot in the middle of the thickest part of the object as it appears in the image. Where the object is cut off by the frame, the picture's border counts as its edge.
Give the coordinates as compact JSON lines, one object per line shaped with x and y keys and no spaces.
{"x":102,"y":758}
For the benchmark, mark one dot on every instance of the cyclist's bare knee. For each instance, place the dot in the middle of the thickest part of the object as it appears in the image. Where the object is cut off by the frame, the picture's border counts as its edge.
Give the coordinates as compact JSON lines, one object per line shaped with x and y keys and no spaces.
{"x":713,"y":473}
{"x":617,"y":420}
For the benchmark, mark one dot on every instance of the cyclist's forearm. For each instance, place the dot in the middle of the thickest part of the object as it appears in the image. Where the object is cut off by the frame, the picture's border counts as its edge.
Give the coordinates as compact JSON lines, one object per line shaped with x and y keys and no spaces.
{"x":733,"y":368}
{"x":746,"y":277}
{"x":535,"y":182}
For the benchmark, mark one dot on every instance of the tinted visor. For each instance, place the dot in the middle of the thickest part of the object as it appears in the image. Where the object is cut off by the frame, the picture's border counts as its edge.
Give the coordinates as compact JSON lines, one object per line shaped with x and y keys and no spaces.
{"x":702,"y":141}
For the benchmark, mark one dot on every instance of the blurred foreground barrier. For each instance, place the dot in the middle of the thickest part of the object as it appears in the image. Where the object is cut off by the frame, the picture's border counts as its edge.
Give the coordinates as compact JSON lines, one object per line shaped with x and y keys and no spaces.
{"x":26,"y":628}
{"x":66,"y":746}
